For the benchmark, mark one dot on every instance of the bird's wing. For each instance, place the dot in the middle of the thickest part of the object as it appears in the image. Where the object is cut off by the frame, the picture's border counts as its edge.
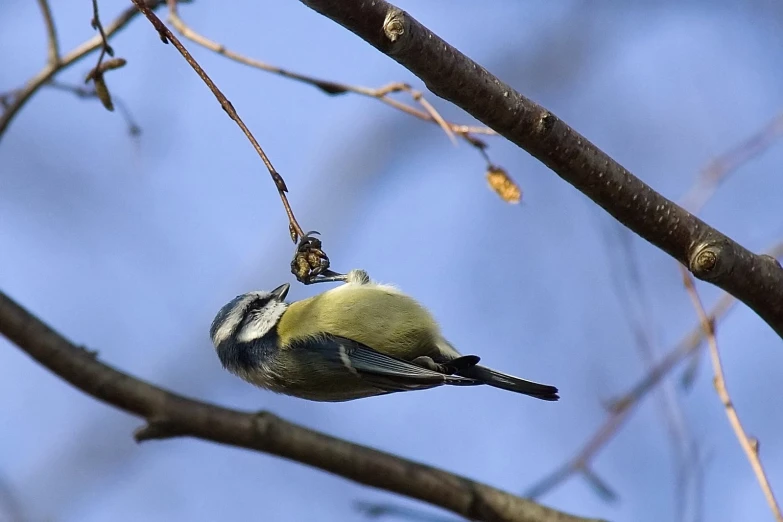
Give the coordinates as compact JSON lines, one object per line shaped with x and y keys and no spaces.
{"x":380,"y":370}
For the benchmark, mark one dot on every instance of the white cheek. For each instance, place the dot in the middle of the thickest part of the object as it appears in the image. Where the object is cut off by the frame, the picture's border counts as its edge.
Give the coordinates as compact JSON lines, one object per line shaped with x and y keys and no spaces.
{"x":222,"y":333}
{"x":226,"y":329}
{"x":260,"y":325}
{"x":252,"y":331}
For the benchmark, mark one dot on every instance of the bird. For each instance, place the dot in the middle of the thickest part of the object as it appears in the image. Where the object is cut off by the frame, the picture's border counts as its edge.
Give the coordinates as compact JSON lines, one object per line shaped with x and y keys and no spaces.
{"x":360,"y":339}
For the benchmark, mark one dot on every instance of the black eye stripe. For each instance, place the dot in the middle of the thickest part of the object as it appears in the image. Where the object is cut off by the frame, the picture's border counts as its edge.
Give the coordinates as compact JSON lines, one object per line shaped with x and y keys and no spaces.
{"x":257,"y":304}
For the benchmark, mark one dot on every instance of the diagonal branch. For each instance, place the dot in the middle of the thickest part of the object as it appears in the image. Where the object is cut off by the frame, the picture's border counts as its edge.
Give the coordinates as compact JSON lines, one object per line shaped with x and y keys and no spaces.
{"x":169,"y":415}
{"x":756,"y":280}
{"x":749,"y":445}
{"x":624,"y":406}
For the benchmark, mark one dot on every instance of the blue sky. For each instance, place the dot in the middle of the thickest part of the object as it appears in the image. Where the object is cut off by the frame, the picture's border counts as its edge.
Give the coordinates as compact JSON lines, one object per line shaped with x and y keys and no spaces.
{"x":131,"y":246}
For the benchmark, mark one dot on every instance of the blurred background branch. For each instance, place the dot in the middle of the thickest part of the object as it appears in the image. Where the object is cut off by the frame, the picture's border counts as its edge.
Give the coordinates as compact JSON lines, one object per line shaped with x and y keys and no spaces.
{"x":382,"y":94}
{"x":623,"y":406}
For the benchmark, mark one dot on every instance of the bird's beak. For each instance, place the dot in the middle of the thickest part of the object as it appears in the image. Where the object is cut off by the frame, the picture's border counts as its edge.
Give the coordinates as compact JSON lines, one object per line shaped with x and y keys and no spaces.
{"x":281,"y":291}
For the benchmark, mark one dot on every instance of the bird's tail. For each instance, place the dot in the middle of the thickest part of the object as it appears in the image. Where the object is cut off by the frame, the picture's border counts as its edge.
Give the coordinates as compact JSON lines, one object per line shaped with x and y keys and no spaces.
{"x":510,"y":383}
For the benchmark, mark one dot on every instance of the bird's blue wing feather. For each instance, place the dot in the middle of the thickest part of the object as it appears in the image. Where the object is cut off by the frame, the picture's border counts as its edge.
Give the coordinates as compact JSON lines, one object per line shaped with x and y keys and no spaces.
{"x":378,"y":369}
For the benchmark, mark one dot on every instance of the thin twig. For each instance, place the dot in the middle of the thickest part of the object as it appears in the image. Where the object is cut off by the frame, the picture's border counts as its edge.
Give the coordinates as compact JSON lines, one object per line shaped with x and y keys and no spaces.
{"x":428,"y":114}
{"x":19,"y":97}
{"x":167,"y":36}
{"x":96,"y":24}
{"x":704,"y":188}
{"x":169,"y":415}
{"x":623,"y":406}
{"x":749,"y":445}
{"x":52,"y":45}
{"x":712,"y":176}
{"x":627,"y":402}
{"x":97,"y":74}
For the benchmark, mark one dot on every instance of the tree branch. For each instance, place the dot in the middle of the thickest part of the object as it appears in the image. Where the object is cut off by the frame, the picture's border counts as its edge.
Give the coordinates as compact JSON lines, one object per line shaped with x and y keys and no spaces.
{"x":52,"y":44}
{"x":335,"y":88}
{"x":756,"y":280}
{"x":623,"y":406}
{"x":19,"y":97}
{"x":170,"y":415}
{"x":749,"y":445}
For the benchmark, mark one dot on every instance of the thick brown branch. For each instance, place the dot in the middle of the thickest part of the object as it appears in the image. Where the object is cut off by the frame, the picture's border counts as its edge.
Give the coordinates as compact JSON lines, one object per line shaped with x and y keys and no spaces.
{"x":711,"y":256}
{"x":171,"y":415}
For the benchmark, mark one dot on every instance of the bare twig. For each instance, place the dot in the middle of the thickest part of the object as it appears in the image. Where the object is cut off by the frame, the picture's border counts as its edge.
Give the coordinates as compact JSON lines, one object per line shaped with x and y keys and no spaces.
{"x":756,"y":280}
{"x":712,"y":176}
{"x":52,"y":43}
{"x":96,"y":24}
{"x":749,"y":445}
{"x":19,"y":97}
{"x":624,"y":406}
{"x":381,"y":94}
{"x":96,"y":74}
{"x":167,"y":36}
{"x":171,"y":415}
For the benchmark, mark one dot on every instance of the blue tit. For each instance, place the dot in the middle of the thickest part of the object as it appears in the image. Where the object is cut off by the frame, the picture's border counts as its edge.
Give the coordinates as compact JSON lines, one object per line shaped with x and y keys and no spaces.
{"x":357,"y":340}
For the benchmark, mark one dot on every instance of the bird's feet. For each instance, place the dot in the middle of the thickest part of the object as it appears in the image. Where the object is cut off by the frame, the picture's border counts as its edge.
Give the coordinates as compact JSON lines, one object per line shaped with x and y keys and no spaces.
{"x":449,"y":368}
